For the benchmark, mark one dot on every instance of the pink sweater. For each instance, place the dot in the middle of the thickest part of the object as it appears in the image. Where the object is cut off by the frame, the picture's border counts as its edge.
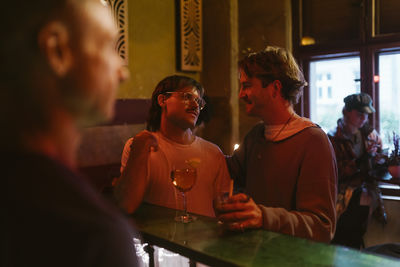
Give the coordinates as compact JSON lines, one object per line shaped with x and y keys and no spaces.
{"x":293,"y":181}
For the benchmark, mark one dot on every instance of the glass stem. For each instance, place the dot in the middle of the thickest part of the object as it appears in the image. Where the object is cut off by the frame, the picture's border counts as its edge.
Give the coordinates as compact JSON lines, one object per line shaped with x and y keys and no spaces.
{"x":184,"y":204}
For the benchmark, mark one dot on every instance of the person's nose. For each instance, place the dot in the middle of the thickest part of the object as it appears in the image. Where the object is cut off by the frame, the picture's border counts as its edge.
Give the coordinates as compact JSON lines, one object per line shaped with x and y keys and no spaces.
{"x":193,"y":103}
{"x":241,"y":93}
{"x":363,"y":119}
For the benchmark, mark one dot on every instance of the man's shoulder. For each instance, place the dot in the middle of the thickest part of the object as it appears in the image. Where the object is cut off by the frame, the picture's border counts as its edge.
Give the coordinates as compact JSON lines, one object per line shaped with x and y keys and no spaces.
{"x":313,"y":135}
{"x":333,"y":133}
{"x":56,"y":189}
{"x":53,"y":194}
{"x":258,"y":127}
{"x":211,"y":147}
{"x":256,"y":131}
{"x":315,"y":131}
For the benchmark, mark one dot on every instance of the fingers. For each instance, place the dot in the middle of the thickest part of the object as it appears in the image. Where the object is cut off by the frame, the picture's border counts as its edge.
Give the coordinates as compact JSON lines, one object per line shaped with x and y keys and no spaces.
{"x":235,"y":207}
{"x":240,"y":213}
{"x":236,"y":226}
{"x":145,"y":141}
{"x":237,"y":203}
{"x":239,"y":198}
{"x":236,"y":216}
{"x":242,"y":225}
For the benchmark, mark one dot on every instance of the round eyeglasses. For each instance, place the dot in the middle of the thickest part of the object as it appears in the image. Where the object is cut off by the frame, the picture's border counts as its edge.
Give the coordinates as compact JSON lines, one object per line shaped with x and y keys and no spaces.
{"x":190,"y":97}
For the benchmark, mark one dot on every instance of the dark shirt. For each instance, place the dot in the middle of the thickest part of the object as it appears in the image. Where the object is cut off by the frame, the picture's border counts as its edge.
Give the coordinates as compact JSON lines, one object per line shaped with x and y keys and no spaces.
{"x":54,"y":218}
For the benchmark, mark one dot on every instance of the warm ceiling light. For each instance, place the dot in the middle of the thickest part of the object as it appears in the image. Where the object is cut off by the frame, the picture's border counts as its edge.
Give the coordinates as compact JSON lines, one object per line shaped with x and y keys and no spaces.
{"x":307,"y":40}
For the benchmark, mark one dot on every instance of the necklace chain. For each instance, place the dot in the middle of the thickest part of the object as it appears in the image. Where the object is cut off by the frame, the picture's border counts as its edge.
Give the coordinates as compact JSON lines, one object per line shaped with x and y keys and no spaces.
{"x":283,"y":127}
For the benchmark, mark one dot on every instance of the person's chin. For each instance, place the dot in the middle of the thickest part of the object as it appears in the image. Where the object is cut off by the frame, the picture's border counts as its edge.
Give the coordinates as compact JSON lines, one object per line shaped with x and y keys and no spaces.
{"x":108,"y":115}
{"x":192,"y":124}
{"x":98,"y":115}
{"x":186,"y":123}
{"x":192,"y":119}
{"x":361,"y":125}
{"x":250,"y":111}
{"x":106,"y":112}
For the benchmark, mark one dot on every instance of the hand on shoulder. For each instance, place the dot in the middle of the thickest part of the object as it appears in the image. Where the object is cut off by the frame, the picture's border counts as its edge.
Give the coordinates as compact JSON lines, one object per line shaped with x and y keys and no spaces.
{"x":144,"y":142}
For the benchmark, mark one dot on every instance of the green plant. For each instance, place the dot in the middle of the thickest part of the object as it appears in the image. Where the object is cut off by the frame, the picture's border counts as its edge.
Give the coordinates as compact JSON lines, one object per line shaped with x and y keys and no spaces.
{"x":394,"y":158}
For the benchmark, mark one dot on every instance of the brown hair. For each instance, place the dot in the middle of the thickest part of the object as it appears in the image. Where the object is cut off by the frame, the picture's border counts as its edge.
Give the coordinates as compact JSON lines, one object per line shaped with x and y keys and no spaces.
{"x":276,"y":63}
{"x":168,"y":84}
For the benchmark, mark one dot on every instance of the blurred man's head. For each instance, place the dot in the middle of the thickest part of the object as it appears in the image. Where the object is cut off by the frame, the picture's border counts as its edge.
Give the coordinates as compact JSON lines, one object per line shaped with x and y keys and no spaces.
{"x":356,"y":109}
{"x":57,"y":55}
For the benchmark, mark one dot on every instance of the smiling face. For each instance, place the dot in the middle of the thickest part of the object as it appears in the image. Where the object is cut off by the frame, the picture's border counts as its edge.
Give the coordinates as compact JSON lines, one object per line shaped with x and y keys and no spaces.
{"x":256,"y":97}
{"x":178,"y":111}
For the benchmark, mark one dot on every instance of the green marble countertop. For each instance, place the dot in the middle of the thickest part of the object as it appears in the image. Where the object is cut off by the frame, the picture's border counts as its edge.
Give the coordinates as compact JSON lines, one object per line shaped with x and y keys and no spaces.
{"x":208,"y":242}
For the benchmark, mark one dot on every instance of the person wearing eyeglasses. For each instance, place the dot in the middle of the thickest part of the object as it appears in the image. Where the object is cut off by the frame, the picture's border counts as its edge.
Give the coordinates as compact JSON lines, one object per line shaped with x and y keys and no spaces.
{"x":149,"y":157}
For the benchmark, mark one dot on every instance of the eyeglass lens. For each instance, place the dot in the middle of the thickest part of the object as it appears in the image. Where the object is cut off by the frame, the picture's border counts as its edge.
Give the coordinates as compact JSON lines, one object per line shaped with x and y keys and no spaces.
{"x":191,"y":97}
{"x":187,"y":96}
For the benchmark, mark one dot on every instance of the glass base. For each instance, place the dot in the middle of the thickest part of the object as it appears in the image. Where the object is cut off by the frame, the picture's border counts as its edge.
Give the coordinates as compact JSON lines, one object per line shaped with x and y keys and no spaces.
{"x":185,"y":218}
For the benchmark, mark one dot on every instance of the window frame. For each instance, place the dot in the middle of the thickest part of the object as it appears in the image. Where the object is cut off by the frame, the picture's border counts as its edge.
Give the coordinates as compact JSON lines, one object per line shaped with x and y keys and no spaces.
{"x":368,"y":48}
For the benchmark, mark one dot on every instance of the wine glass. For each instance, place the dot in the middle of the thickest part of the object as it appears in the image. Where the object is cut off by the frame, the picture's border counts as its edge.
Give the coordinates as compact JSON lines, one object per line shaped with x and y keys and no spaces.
{"x":183,"y":178}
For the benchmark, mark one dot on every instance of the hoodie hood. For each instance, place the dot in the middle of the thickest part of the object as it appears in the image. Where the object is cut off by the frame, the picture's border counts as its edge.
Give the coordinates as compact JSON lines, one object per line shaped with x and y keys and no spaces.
{"x":280,"y":132}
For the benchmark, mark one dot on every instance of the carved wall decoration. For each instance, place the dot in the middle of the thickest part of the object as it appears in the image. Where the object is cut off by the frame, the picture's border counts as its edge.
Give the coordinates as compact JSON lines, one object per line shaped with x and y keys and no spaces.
{"x":119,"y":10}
{"x":190,"y":26}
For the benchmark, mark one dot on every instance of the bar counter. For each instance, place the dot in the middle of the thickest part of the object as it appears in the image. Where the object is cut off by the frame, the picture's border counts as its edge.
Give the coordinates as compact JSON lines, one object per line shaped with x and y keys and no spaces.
{"x":205,"y":241}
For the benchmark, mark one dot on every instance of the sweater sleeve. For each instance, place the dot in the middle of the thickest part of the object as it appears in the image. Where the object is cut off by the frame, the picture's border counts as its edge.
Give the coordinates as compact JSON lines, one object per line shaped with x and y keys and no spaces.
{"x":314,"y":216}
{"x":125,"y":154}
{"x":237,"y":166}
{"x":223,"y":179}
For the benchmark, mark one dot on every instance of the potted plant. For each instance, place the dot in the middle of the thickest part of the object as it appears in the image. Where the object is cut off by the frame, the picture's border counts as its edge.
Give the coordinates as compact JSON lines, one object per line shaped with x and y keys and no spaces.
{"x":394,"y":159}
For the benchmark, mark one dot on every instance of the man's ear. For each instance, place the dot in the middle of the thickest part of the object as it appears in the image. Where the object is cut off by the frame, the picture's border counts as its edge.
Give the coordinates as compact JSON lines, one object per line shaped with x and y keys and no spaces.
{"x":54,"y":42}
{"x":161,"y":100}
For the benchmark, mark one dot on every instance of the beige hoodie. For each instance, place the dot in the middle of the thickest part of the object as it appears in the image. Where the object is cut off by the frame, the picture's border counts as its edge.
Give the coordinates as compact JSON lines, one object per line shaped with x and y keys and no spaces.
{"x":280,"y":132}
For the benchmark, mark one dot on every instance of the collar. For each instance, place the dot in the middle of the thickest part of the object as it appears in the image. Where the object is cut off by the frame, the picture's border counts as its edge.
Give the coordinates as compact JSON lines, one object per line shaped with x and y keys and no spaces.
{"x":280,"y":132}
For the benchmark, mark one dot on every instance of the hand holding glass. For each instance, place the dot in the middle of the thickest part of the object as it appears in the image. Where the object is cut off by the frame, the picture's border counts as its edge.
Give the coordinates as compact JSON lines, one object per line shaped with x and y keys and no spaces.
{"x":219,"y":200}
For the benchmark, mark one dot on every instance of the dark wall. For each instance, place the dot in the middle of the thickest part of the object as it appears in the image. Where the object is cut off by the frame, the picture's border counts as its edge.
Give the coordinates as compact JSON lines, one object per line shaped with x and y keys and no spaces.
{"x":215,"y":76}
{"x":261,"y":23}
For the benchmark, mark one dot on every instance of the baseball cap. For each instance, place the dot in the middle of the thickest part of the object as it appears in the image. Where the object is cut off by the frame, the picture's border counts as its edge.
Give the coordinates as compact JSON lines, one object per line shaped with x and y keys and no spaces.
{"x":361,"y":102}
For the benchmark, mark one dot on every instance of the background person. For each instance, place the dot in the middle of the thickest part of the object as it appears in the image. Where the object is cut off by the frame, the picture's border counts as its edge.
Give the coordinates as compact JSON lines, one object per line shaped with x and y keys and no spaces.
{"x":58,"y":72}
{"x":358,"y":150}
{"x":286,"y":163}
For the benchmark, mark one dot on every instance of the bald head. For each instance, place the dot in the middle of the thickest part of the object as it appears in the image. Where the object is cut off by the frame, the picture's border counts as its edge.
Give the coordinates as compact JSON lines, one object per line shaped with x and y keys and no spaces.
{"x":56,"y":54}
{"x":20,"y":23}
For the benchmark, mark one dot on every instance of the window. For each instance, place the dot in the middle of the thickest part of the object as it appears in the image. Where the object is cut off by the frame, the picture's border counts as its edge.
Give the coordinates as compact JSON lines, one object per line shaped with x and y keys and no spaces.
{"x":389,"y":96}
{"x":337,"y":81}
{"x":364,"y":33}
{"x":355,"y":48}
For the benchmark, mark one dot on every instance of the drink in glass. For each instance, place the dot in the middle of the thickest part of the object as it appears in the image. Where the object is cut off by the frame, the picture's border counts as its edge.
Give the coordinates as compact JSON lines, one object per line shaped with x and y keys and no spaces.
{"x":184,"y":179}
